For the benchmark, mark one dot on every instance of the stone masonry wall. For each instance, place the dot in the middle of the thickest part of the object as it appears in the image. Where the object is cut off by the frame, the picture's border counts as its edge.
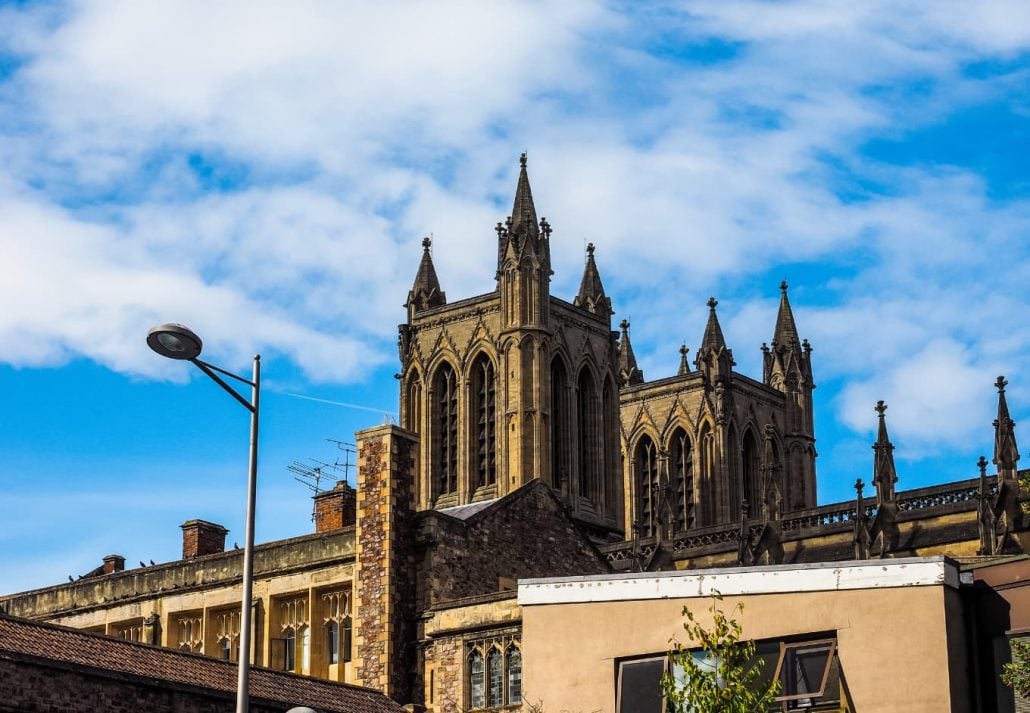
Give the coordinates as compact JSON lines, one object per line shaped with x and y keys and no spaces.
{"x":525,"y":534}
{"x":385,"y":631}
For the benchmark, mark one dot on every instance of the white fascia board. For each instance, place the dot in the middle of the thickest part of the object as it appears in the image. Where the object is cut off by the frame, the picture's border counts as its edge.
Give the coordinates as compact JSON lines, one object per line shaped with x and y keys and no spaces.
{"x":780,"y":579}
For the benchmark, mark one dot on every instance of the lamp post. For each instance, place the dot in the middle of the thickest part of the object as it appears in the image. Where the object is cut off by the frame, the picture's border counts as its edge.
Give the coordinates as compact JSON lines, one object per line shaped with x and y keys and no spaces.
{"x":176,"y":341}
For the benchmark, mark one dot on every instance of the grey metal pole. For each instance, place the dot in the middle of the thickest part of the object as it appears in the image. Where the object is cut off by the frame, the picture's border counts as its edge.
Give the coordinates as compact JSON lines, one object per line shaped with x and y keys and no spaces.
{"x":243,"y":683}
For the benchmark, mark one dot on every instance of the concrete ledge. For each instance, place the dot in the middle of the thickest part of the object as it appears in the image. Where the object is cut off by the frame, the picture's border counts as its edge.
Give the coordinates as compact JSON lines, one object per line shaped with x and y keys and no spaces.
{"x":779,"y":579}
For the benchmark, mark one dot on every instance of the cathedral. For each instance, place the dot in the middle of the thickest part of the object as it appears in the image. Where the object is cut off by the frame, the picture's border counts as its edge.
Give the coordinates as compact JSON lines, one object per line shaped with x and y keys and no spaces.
{"x":530,"y":446}
{"x":519,"y":384}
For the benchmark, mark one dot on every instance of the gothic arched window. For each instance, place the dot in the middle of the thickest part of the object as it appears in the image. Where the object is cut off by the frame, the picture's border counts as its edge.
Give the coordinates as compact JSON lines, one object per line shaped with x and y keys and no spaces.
{"x":751,"y":475}
{"x":445,"y":431}
{"x":646,"y":464}
{"x":589,"y":416}
{"x":682,"y":480}
{"x":495,"y":671}
{"x":484,"y":412}
{"x":477,"y":684}
{"x":707,"y":494}
{"x":560,"y":465}
{"x":514,"y":663}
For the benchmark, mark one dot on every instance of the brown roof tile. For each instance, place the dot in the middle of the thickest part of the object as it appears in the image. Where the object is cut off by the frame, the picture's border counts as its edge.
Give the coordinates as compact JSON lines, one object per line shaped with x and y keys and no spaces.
{"x":157,"y":664}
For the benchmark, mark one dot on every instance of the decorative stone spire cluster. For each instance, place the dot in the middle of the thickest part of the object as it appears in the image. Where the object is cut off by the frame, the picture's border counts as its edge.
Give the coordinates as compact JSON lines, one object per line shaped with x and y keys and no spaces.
{"x":787,"y":362}
{"x":884,"y":473}
{"x":522,"y":237}
{"x":629,"y":374}
{"x":1001,"y":513}
{"x":425,"y":293}
{"x":591,"y":295}
{"x":714,"y":359}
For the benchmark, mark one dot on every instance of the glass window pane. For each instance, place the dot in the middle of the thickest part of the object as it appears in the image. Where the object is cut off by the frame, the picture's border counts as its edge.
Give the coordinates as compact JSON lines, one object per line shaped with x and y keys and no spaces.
{"x":477,"y":691}
{"x":640,"y":689}
{"x":332,"y":641}
{"x":514,"y":676}
{"x":496,"y":671}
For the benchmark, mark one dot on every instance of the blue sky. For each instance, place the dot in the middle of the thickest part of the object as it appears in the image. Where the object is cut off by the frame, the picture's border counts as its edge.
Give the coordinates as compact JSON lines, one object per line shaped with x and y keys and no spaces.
{"x":265,"y":172}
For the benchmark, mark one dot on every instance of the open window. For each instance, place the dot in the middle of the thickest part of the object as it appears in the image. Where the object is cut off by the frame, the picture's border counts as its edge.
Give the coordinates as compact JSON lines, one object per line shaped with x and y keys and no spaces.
{"x":808,"y":671}
{"x":809,"y":675}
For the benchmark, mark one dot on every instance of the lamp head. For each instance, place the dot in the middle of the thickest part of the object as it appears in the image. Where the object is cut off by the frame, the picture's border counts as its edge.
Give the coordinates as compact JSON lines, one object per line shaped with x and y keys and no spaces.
{"x":174,"y":341}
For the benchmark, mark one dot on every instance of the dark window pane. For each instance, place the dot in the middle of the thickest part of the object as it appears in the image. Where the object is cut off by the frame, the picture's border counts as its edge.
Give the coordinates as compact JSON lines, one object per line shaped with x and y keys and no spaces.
{"x":640,"y":688}
{"x":514,"y":676}
{"x":332,"y":633}
{"x":495,"y":670}
{"x":477,"y":690}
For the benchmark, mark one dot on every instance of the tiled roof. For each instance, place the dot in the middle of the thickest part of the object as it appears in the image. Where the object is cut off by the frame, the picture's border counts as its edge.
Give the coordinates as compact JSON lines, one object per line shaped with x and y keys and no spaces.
{"x":155,"y":664}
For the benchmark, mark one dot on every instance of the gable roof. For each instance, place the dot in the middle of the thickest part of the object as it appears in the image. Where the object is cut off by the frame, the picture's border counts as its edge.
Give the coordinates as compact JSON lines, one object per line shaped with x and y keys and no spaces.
{"x":155,"y":665}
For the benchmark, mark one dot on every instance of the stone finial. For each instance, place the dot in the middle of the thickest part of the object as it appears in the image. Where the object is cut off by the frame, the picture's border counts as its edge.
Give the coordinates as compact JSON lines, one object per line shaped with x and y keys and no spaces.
{"x":522,"y":160}
{"x":590,"y":249}
{"x":982,"y":465}
{"x":1000,"y":384}
{"x":880,"y":408}
{"x":859,"y":485}
{"x":783,"y":286}
{"x":427,"y":242}
{"x":712,"y":302}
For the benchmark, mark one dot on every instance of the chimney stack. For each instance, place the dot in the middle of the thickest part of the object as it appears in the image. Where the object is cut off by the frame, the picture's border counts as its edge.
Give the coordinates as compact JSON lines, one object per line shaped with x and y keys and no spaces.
{"x":335,"y":508}
{"x":113,"y":563}
{"x":200,"y":537}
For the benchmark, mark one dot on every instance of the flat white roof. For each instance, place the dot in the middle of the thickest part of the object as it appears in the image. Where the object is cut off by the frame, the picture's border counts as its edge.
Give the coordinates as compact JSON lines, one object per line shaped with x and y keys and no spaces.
{"x":735,"y":581}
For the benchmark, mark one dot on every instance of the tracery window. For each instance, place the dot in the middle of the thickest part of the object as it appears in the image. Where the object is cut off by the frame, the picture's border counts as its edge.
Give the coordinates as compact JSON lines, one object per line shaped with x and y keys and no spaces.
{"x":494,"y":676}
{"x":485,"y":413}
{"x":682,"y":464}
{"x":227,"y":634}
{"x":559,"y":424}
{"x":586,"y":407}
{"x":191,"y":633}
{"x":445,"y":431}
{"x":338,"y":625}
{"x":708,"y":479}
{"x":646,"y":464}
{"x":296,"y":642}
{"x":751,"y":475}
{"x":130,"y":631}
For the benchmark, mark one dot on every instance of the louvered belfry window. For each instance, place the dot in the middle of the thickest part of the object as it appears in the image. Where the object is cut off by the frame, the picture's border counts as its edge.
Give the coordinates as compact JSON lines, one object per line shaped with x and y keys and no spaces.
{"x":445,"y":441}
{"x":647,"y":484}
{"x":485,"y":410}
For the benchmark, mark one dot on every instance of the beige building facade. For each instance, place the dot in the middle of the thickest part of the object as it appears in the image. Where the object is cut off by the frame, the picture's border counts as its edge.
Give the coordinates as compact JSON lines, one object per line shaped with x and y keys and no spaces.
{"x":885,"y":636}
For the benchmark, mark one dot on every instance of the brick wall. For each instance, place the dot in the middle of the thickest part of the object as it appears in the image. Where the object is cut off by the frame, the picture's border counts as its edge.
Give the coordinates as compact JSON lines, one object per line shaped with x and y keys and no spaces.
{"x":335,"y":508}
{"x":200,"y":537}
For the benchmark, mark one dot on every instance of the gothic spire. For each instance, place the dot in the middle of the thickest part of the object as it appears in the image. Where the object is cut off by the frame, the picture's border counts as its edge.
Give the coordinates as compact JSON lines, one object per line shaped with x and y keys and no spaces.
{"x":684,"y":364}
{"x":713,"y":338}
{"x":629,"y":374}
{"x":1005,"y":451}
{"x":522,"y":235}
{"x":425,"y":292}
{"x":786,"y":332}
{"x":591,"y":295}
{"x":523,"y":212}
{"x":884,"y":473}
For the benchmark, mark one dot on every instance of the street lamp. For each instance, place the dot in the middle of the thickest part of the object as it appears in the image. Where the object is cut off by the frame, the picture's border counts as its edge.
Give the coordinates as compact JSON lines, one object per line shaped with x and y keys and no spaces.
{"x":176,"y":341}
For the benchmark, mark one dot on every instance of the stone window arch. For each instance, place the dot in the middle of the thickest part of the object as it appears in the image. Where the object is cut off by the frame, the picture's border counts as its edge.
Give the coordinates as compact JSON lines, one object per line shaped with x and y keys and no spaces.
{"x":444,"y":453}
{"x":561,"y":436}
{"x":484,"y":421}
{"x":681,"y":477}
{"x":751,"y":476}
{"x":588,"y":436}
{"x":645,"y":464}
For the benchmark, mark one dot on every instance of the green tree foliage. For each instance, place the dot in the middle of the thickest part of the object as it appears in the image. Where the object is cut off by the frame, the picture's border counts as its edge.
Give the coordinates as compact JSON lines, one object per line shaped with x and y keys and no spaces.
{"x":1017,"y":673}
{"x":721,"y":675}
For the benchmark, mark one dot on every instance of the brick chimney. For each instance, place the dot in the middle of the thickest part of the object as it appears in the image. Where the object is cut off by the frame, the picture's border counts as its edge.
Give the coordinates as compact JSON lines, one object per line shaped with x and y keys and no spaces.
{"x":335,"y":508}
{"x":114,"y":563}
{"x":200,"y":537}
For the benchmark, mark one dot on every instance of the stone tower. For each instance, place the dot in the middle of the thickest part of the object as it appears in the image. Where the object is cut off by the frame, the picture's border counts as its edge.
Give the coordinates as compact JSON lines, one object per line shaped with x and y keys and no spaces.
{"x":516,"y":384}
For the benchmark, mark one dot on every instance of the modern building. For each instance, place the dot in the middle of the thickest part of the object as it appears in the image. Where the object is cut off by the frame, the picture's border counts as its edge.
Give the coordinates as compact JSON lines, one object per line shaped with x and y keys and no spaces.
{"x":531,"y":446}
